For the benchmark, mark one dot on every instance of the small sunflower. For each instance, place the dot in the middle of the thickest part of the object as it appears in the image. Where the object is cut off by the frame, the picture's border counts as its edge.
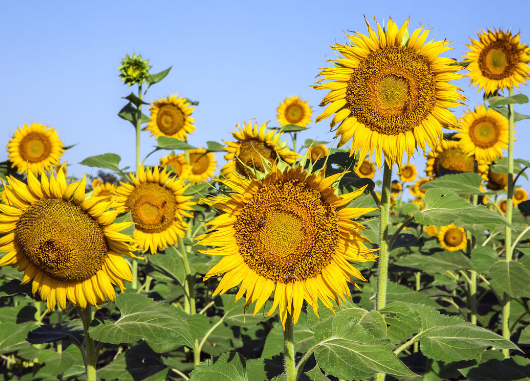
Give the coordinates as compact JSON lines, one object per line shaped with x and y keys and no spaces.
{"x":171,"y":117}
{"x":66,"y":244}
{"x":158,"y":206}
{"x":449,"y":157}
{"x":452,"y":238}
{"x":254,"y":149}
{"x":519,"y":196}
{"x":35,"y":147}
{"x":177,"y":164}
{"x":497,"y":61}
{"x":287,"y":235}
{"x":201,"y":165}
{"x":431,"y":230}
{"x":102,"y":189}
{"x":484,"y":133}
{"x":503,"y":206}
{"x":419,"y":201}
{"x":317,"y":152}
{"x":366,"y":170}
{"x":408,"y":173}
{"x":496,"y":181}
{"x":294,"y":111}
{"x":396,"y":187}
{"x":415,"y":189}
{"x":391,"y":92}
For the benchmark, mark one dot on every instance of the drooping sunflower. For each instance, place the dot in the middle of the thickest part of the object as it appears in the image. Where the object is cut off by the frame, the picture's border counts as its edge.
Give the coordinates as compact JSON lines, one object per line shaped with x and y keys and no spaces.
{"x":254,"y":149}
{"x":366,"y":170}
{"x":201,"y":165}
{"x":496,"y":181}
{"x":408,"y":173}
{"x":449,"y":157}
{"x":431,"y":230}
{"x":177,"y":164}
{"x":294,"y":110}
{"x":35,"y":147}
{"x":102,"y":189}
{"x":317,"y":152}
{"x":66,"y":244}
{"x":452,"y":238}
{"x":519,"y":196}
{"x":287,"y":235}
{"x":415,"y":189}
{"x":484,"y":133}
{"x":391,"y":92}
{"x":171,"y":117}
{"x":158,"y":205}
{"x":498,"y":61}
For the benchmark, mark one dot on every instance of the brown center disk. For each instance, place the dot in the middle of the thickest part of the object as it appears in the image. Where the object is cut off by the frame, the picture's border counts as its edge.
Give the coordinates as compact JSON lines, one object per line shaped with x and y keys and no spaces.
{"x":253,"y":153}
{"x":152,"y":207}
{"x":453,"y":237}
{"x":498,"y":60}
{"x":170,"y":119}
{"x":35,"y":147}
{"x":294,"y":113}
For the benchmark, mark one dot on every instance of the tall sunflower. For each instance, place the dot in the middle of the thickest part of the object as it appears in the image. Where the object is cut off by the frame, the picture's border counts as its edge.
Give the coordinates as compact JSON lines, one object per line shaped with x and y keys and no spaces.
{"x":35,"y":147}
{"x":484,"y":133}
{"x":287,"y":235}
{"x":201,"y":165}
{"x":452,"y":238}
{"x":317,"y":152}
{"x":390,"y":92}
{"x":294,"y":110}
{"x":171,"y":117}
{"x":449,"y":157}
{"x":408,"y":173}
{"x":366,"y":170}
{"x":158,"y":205}
{"x":66,"y":244}
{"x":498,"y":61}
{"x":254,"y":149}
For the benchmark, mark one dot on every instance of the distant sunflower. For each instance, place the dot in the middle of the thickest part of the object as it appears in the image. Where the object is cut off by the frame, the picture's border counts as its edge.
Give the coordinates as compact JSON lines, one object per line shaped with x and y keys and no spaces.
{"x":317,"y":152}
{"x":431,"y":230}
{"x":176,"y":163}
{"x":396,"y":187}
{"x":391,"y":92}
{"x":366,"y":170}
{"x":484,"y":134}
{"x":171,"y":117}
{"x":287,"y":235}
{"x":35,"y":147}
{"x":497,"y":61}
{"x":496,"y":181}
{"x":201,"y":165}
{"x":102,"y":189}
{"x":452,"y":238}
{"x":415,"y":189}
{"x":294,"y":111}
{"x":450,"y":156}
{"x":503,"y":206}
{"x":66,"y":244}
{"x":408,"y":173}
{"x":254,"y":149}
{"x":158,"y":205}
{"x":519,"y":196}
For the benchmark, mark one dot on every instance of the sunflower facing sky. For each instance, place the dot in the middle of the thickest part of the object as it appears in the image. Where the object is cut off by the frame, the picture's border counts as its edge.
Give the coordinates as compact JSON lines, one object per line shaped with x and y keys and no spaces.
{"x":171,"y":117}
{"x":498,"y":61}
{"x":158,"y":206}
{"x":35,"y":147}
{"x":449,"y":157}
{"x":66,"y":244}
{"x":287,"y":235}
{"x":317,"y":152}
{"x":452,"y":238}
{"x":254,"y":149}
{"x":390,"y":92}
{"x":295,"y":111}
{"x":176,"y":163}
{"x":408,"y":173}
{"x":366,"y":170}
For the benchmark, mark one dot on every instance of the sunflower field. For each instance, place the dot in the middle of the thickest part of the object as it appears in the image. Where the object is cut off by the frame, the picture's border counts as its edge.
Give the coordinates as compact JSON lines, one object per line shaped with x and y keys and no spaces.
{"x":273,"y":255}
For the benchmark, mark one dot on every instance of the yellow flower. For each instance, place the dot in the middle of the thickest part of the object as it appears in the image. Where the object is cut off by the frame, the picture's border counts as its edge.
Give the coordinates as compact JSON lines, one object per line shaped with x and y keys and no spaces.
{"x":103,"y":189}
{"x":431,"y":230}
{"x":366,"y":170}
{"x":294,"y":111}
{"x":177,"y":164}
{"x":254,"y":149}
{"x":317,"y":152}
{"x":390,"y":92}
{"x":396,"y":187}
{"x":35,"y":148}
{"x":287,"y":235}
{"x":484,"y":134}
{"x":503,"y":206}
{"x":201,"y":165}
{"x":497,"y":181}
{"x":171,"y":117}
{"x":415,"y":189}
{"x":452,"y":238}
{"x":498,"y":61}
{"x":66,"y":244}
{"x":450,"y":156}
{"x":158,"y":206}
{"x":519,"y":196}
{"x":408,"y":173}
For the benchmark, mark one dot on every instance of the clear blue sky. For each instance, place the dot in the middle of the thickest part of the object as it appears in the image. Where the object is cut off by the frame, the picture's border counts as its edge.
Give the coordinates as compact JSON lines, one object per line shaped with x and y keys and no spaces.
{"x":239,"y":59}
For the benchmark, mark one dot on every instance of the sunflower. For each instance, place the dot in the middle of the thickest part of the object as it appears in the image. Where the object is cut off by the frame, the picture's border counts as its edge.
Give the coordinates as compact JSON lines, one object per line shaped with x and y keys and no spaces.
{"x":519,"y":196}
{"x":158,"y":205}
{"x":287,"y":235}
{"x":67,"y":245}
{"x":503,"y":206}
{"x":452,"y":238}
{"x":177,"y":164}
{"x":431,"y":230}
{"x":497,"y":61}
{"x":294,"y":111}
{"x":35,"y":147}
{"x":171,"y":117}
{"x":408,"y":173}
{"x":366,"y":170}
{"x":254,"y":149}
{"x":391,"y":92}
{"x":102,"y":189}
{"x":496,"y":181}
{"x":3,"y":197}
{"x":201,"y":165}
{"x":415,"y":189}
{"x":450,"y":156}
{"x":396,"y":187}
{"x":317,"y":152}
{"x":484,"y":133}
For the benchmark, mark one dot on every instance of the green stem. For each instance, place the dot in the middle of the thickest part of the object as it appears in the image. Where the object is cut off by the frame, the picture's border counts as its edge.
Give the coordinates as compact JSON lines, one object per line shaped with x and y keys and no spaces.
{"x":471,"y":243}
{"x":138,"y":131}
{"x":395,"y":235}
{"x":382,"y":276}
{"x":293,"y":136}
{"x":90,"y":354}
{"x":520,"y":236}
{"x":417,"y":275}
{"x":288,"y":345}
{"x":59,"y":320}
{"x":508,"y":234}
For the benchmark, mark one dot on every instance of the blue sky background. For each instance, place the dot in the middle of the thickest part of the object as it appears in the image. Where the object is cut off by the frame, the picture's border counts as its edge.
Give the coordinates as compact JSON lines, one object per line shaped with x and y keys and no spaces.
{"x":238,"y":59}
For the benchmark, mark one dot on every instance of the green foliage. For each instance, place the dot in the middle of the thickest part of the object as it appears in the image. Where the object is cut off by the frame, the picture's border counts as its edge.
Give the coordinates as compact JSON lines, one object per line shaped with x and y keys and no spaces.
{"x":163,"y":142}
{"x":107,"y":160}
{"x":502,"y":101}
{"x":463,"y":183}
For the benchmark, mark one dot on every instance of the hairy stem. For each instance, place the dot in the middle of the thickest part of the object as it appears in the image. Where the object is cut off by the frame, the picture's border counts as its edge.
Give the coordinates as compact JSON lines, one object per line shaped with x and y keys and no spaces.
{"x":382,"y":275}
{"x":288,"y":345}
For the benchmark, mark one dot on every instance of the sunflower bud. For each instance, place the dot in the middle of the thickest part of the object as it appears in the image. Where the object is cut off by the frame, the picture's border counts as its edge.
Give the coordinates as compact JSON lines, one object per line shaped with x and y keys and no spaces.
{"x":134,"y":70}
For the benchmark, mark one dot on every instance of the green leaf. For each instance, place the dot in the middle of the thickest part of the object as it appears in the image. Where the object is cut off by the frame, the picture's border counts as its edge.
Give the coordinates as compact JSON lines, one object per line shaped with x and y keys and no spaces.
{"x":57,"y":364}
{"x":169,"y":265}
{"x":303,"y":339}
{"x":525,"y":336}
{"x":311,"y":143}
{"x":215,"y":147}
{"x":440,"y":261}
{"x":228,"y":367}
{"x":501,"y":166}
{"x":402,"y":320}
{"x":13,"y":336}
{"x":515,"y":368}
{"x":71,"y":330}
{"x":135,"y":100}
{"x":129,"y":112}
{"x":405,"y":240}
{"x":107,"y":160}
{"x":292,"y":128}
{"x":126,"y":217}
{"x":155,"y":78}
{"x":159,"y":324}
{"x":501,"y":101}
{"x":466,"y":183}
{"x":517,"y":116}
{"x":163,"y":142}
{"x":524,"y":207}
{"x":483,"y":257}
{"x":509,"y":277}
{"x":316,"y":374}
{"x":398,"y":293}
{"x":410,"y":208}
{"x":235,"y":312}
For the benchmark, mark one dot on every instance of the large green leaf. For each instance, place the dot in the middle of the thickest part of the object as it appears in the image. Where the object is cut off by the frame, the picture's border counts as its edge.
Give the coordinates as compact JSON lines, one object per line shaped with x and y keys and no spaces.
{"x":467,"y":183}
{"x":57,"y":364}
{"x":228,"y":367}
{"x":169,"y":266}
{"x":483,"y":257}
{"x":71,"y":330}
{"x":159,"y":324}
{"x":397,"y":293}
{"x":155,"y":78}
{"x":13,"y":335}
{"x":163,"y":142}
{"x":515,"y":368}
{"x":292,"y":128}
{"x":303,"y":339}
{"x":315,"y":374}
{"x":215,"y":146}
{"x":517,"y":117}
{"x":501,"y":101}
{"x":440,"y":261}
{"x":402,"y":320}
{"x":107,"y":160}
{"x":509,"y":277}
{"x":235,"y":313}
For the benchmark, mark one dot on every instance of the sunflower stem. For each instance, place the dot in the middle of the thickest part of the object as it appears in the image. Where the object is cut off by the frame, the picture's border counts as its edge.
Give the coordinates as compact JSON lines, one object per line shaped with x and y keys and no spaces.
{"x":471,"y":243}
{"x":90,"y":354}
{"x":382,"y":276}
{"x":508,"y":234}
{"x":293,"y":136}
{"x":289,"y":353}
{"x":138,"y":163}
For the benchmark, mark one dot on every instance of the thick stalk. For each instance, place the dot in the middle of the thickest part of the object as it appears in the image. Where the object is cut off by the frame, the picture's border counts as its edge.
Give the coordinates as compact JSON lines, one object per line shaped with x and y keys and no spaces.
{"x":288,"y":346}
{"x":90,"y":351}
{"x":382,"y":275}
{"x":471,"y":243}
{"x":138,"y":163}
{"x":508,"y":235}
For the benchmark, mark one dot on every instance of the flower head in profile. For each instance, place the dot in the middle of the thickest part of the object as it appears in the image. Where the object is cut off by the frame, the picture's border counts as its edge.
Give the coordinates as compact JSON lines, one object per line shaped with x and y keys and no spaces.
{"x":295,"y":111}
{"x":450,"y":158}
{"x":134,"y":70}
